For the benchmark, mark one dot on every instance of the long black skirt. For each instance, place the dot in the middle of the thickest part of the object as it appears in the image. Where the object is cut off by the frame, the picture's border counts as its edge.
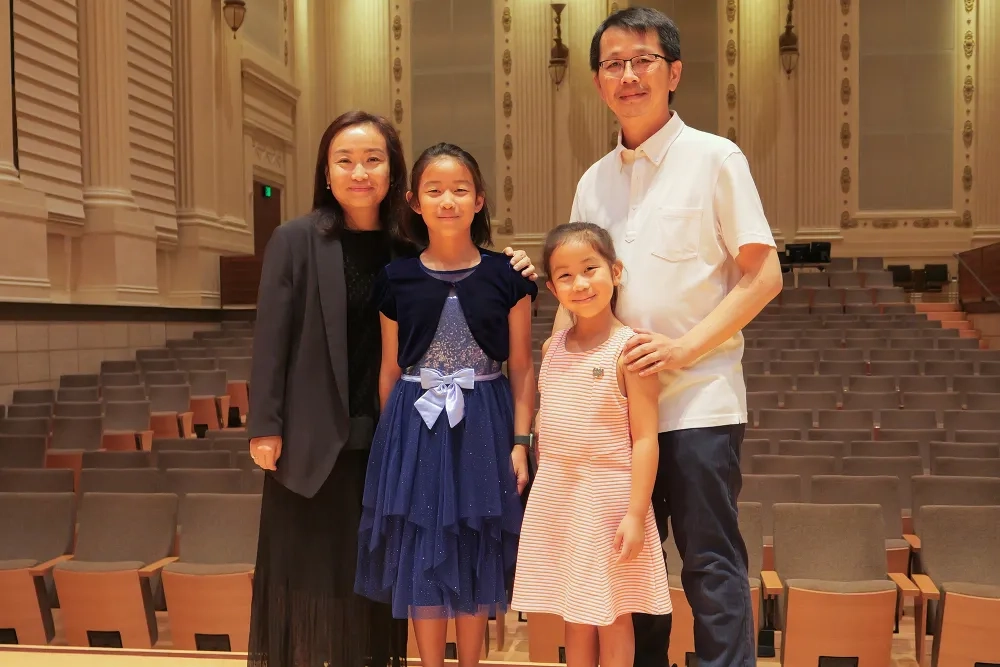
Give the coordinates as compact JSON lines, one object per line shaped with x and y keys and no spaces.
{"x":305,"y":612}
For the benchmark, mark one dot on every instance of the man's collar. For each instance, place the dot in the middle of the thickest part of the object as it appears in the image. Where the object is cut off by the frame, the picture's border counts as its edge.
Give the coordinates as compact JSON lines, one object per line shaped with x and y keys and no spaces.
{"x":655,"y":147}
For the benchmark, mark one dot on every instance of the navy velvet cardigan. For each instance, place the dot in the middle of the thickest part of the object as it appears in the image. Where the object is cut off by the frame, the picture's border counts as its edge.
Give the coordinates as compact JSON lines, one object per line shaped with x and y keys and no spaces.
{"x":406,"y":294}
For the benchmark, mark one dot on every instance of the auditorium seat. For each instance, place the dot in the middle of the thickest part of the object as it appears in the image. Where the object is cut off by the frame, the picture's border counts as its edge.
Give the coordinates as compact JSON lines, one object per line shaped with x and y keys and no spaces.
{"x":149,"y":354}
{"x":89,"y":381}
{"x":25,"y":426}
{"x":78,"y":394}
{"x":119,"y":480}
{"x":123,"y":394}
{"x":36,"y":480}
{"x":831,"y":561}
{"x":180,"y":445}
{"x":33,"y":396}
{"x":71,"y":437}
{"x":209,"y":397}
{"x":36,"y":531}
{"x":202,"y":460}
{"x":959,"y":555}
{"x":182,"y":481}
{"x":117,"y":460}
{"x":964,"y":450}
{"x":29,"y":411}
{"x":803,"y":467}
{"x":157,"y":365}
{"x":890,"y":448}
{"x":78,"y":408}
{"x":127,"y":425}
{"x":170,"y":410}
{"x":751,"y":525}
{"x":107,"y":590}
{"x":209,"y":587}
{"x":965,"y":467}
{"x":22,"y":451}
{"x":903,"y":468}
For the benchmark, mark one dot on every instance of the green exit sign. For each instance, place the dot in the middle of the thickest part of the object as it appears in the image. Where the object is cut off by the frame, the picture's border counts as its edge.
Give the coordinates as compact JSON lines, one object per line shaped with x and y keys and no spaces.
{"x":267,"y":190}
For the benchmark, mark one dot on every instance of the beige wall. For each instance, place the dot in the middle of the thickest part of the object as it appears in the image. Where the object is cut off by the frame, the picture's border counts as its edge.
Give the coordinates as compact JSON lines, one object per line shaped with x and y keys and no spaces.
{"x":141,"y":124}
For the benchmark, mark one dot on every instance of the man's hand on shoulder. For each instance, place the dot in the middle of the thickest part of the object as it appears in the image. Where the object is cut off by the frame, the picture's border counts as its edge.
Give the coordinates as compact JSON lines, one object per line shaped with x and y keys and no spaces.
{"x":648,"y":353}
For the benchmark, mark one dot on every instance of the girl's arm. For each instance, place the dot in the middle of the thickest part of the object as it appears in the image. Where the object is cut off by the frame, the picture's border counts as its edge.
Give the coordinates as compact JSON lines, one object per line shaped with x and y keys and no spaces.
{"x":643,"y":416}
{"x":521,"y":372}
{"x":390,"y":371}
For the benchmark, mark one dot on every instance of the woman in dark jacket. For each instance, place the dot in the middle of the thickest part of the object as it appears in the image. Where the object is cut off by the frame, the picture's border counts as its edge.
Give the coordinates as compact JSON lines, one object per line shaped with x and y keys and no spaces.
{"x":314,"y":404}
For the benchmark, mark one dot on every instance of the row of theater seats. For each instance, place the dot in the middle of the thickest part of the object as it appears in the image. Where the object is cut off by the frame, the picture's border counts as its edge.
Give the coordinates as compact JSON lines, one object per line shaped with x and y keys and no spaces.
{"x":110,"y":561}
{"x":828,"y":568}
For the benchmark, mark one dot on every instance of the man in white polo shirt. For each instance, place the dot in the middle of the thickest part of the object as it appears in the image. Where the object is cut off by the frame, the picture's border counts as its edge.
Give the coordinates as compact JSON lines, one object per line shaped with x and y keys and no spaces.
{"x":700,"y":263}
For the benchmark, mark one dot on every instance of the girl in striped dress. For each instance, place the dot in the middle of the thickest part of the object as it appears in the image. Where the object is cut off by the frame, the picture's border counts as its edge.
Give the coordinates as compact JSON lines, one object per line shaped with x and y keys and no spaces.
{"x":589,"y":549}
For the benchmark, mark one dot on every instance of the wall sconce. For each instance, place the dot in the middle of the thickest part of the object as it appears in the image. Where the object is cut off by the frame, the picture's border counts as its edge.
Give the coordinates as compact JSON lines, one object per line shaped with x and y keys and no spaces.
{"x":788,"y":44}
{"x":560,"y":52}
{"x":234,"y":11}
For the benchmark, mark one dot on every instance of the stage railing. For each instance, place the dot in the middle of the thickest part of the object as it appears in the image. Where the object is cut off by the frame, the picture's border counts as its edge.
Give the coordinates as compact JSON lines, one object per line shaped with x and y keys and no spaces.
{"x":979,"y":279}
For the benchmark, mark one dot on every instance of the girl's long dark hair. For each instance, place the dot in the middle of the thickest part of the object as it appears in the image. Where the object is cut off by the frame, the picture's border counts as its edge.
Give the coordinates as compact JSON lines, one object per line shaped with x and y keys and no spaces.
{"x":393,"y":208}
{"x":415,"y":228}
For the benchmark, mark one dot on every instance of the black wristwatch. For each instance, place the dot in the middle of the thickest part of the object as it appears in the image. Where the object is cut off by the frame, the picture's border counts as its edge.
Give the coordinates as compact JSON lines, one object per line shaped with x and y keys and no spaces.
{"x":525,"y":440}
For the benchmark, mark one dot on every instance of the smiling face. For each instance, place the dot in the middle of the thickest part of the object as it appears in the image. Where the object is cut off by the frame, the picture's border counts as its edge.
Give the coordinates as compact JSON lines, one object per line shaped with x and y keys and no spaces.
{"x":630,"y":94}
{"x":358,"y":168}
{"x":581,"y":278}
{"x":446,"y":198}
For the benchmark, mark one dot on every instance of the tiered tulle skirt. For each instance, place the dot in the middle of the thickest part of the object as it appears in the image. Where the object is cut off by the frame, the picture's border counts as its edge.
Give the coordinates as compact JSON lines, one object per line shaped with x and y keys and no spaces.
{"x":441,"y":515}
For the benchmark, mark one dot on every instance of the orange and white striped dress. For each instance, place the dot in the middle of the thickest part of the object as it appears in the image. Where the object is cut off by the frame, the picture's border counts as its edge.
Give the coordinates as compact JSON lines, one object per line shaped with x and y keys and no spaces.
{"x":566,"y":562}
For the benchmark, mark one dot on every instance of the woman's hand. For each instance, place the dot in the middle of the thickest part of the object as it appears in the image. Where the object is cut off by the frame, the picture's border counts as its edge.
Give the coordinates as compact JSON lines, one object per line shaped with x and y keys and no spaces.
{"x":519,"y":457}
{"x":630,"y":537}
{"x":521,"y":262}
{"x":265,"y":451}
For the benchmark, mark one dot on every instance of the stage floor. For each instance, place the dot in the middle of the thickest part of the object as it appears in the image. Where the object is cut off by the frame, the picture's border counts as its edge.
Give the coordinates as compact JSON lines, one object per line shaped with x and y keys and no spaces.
{"x":513,"y":654}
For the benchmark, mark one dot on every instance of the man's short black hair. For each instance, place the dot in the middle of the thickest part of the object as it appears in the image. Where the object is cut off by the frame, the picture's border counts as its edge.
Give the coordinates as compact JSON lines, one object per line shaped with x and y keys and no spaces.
{"x":640,"y":20}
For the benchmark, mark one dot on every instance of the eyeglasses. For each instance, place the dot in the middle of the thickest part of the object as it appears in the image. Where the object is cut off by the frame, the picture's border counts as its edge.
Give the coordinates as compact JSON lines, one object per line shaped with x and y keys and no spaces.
{"x":640,"y":64}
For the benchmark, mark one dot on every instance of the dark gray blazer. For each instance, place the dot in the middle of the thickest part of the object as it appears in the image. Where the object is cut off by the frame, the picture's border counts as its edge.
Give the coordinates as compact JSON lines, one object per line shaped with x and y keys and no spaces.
{"x":298,"y":382}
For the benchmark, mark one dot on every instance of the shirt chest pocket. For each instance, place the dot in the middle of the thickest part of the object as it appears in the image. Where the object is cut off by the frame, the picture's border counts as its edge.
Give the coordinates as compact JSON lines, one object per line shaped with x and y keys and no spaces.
{"x":678,"y":233}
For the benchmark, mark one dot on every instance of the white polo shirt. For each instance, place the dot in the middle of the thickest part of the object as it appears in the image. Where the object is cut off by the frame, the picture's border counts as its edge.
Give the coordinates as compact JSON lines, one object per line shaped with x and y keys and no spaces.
{"x":678,"y":208}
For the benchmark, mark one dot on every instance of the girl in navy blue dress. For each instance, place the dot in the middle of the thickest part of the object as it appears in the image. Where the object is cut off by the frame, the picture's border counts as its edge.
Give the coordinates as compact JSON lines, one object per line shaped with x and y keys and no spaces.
{"x":441,"y":512}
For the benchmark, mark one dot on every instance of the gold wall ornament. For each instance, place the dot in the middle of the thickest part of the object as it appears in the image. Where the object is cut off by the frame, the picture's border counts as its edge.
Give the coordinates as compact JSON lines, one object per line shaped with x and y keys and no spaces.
{"x":965,"y":222}
{"x":967,"y":134}
{"x":731,"y":95}
{"x":970,"y":5}
{"x":969,"y":44}
{"x":968,"y":89}
{"x":508,"y":226}
{"x":882,"y":223}
{"x":508,"y":188}
{"x":397,"y":27}
{"x":845,"y":180}
{"x":846,"y":221}
{"x":731,"y":134}
{"x":397,"y":111}
{"x":731,"y":10}
{"x":397,"y":69}
{"x":508,"y":146}
{"x":926,"y":223}
{"x":731,"y":52}
{"x":845,"y":136}
{"x":506,"y":62}
{"x":845,"y":7}
{"x":614,"y":8}
{"x":845,"y":47}
{"x":508,"y":105}
{"x":967,"y":178}
{"x":845,"y":91}
{"x":613,"y":143}
{"x":505,"y":19}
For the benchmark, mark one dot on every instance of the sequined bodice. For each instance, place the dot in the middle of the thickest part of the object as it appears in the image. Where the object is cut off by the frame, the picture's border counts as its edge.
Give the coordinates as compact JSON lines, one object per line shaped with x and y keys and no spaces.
{"x":453,"y":348}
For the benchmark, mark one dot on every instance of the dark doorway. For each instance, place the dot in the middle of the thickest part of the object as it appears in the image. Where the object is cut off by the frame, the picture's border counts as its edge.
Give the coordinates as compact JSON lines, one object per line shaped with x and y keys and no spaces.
{"x":266,"y":214}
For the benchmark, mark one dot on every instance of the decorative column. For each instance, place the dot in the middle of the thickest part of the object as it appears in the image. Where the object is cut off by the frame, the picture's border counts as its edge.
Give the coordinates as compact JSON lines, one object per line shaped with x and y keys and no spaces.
{"x":824,"y":94}
{"x":528,"y":109}
{"x":362,"y":32}
{"x":235,"y":205}
{"x":757,"y":121}
{"x":401,"y":86}
{"x":503,"y":68}
{"x":118,"y":248}
{"x":983,"y":137}
{"x":24,"y":272}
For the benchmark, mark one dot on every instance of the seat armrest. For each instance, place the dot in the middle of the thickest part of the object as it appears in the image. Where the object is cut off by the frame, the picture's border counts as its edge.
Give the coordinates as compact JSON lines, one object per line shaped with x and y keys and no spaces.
{"x":43,"y":568}
{"x":153,"y":568}
{"x":927,"y":588}
{"x":771,"y":582}
{"x":913,"y":541}
{"x":905,"y":586}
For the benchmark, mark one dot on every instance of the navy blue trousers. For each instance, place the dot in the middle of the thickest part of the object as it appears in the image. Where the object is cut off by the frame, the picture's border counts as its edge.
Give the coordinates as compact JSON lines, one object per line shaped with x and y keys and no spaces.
{"x":698,"y":482}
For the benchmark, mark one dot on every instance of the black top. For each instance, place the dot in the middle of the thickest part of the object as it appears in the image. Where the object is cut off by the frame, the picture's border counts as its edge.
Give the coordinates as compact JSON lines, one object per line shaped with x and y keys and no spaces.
{"x":408,"y":295}
{"x":365,"y":255}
